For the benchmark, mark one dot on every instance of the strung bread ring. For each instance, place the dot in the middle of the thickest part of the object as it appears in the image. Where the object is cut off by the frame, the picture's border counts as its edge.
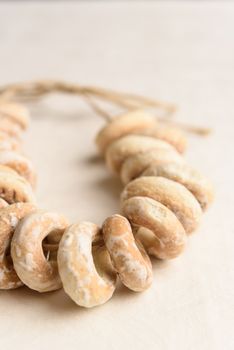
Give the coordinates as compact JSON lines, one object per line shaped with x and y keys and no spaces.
{"x":187,"y":176}
{"x":169,"y":193}
{"x":8,"y":143}
{"x":10,"y":127}
{"x":20,"y":164}
{"x":9,"y":218}
{"x":13,"y":187}
{"x":128,"y":146}
{"x":128,"y":256}
{"x":15,"y":112}
{"x":172,"y":135}
{"x":135,"y":165}
{"x":139,"y":123}
{"x":81,"y":280}
{"x":170,"y":236}
{"x":7,"y":171}
{"x":29,"y":261}
{"x":122,"y":125}
{"x":3,"y":203}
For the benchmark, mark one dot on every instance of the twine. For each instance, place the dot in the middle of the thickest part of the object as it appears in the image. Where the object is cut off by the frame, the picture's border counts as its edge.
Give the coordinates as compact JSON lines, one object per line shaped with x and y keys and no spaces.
{"x":27,"y":91}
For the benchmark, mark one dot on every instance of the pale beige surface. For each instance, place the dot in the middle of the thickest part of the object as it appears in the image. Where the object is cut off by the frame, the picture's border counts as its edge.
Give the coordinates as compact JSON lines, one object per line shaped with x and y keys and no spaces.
{"x":183,"y":52}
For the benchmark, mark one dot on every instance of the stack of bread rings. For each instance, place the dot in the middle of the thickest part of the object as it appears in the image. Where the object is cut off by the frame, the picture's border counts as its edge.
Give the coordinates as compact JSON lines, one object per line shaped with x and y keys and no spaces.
{"x":161,"y":204}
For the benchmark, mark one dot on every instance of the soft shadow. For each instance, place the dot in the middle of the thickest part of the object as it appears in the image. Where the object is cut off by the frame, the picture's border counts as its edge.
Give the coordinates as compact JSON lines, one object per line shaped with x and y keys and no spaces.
{"x":123,"y":292}
{"x":104,"y":181}
{"x":57,"y":301}
{"x":112,"y":185}
{"x":158,"y":264}
{"x":94,"y":159}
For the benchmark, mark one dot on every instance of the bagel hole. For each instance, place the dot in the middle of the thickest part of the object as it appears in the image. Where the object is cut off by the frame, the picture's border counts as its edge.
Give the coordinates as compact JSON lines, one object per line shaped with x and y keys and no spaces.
{"x":50,"y":244}
{"x":102,"y":262}
{"x":146,"y":237}
{"x":8,"y":255}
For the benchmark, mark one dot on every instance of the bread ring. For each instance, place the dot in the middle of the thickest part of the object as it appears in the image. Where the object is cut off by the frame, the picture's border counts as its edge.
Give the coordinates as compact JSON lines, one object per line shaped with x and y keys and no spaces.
{"x":128,"y":256}
{"x":80,"y":278}
{"x":3,"y":203}
{"x":9,"y":218}
{"x":14,"y":112}
{"x":132,"y":122}
{"x":135,"y":165}
{"x":130,"y":145}
{"x":173,"y":195}
{"x":13,"y":187}
{"x":139,"y":123}
{"x":196,"y":183}
{"x":154,"y":216}
{"x":10,"y":127}
{"x":20,"y":164}
{"x":29,"y":261}
{"x":175,"y":137}
{"x":7,"y":171}
{"x":8,"y":143}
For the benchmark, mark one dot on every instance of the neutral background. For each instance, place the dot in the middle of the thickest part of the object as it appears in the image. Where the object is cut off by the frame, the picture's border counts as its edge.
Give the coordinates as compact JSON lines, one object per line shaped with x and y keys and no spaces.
{"x":177,"y":51}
